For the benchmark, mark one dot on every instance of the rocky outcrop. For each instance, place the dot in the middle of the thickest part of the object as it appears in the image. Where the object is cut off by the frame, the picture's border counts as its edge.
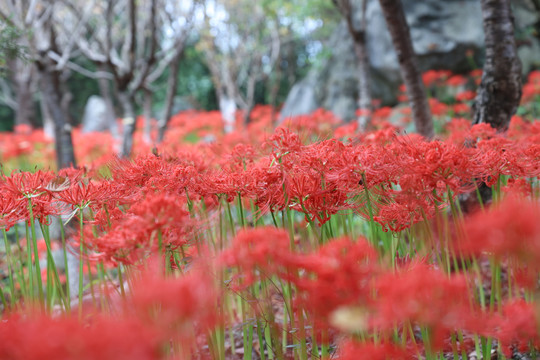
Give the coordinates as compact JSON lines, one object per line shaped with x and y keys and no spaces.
{"x":95,"y":116}
{"x":446,"y":34}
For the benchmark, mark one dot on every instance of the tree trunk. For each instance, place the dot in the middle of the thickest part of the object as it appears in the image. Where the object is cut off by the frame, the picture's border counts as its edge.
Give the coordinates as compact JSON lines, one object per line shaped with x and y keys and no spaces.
{"x":172,"y":84}
{"x":359,"y":40}
{"x":50,"y":92}
{"x":106,"y":94}
{"x":275,"y":86}
{"x":249,"y":102}
{"x":23,"y":78}
{"x":401,"y":38}
{"x":25,"y":103}
{"x":227,"y":107}
{"x":48,"y":123}
{"x":128,"y":122}
{"x":147,"y":114}
{"x":499,"y":93}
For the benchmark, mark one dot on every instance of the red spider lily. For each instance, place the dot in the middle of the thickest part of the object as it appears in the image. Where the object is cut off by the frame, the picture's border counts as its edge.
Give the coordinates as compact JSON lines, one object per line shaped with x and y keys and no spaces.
{"x":461,"y":109}
{"x":261,"y":251}
{"x":33,"y":187}
{"x":508,"y":231}
{"x":307,"y":195}
{"x":346,"y":131}
{"x":11,"y":211}
{"x":532,"y":87}
{"x":28,"y":338}
{"x":187,"y":304}
{"x":518,"y":187}
{"x":81,"y":195}
{"x":157,"y":221}
{"x":437,"y":108}
{"x":165,"y":213}
{"x":466,"y":95}
{"x":434,"y":77}
{"x":266,"y":186}
{"x":382,"y":113}
{"x":351,"y":350}
{"x":226,"y":183}
{"x":456,"y":80}
{"x":401,"y":215}
{"x":141,"y":174}
{"x":517,"y":326}
{"x":27,"y":184}
{"x":339,"y":273}
{"x":318,"y":124}
{"x":282,"y":142}
{"x":502,"y":156}
{"x":424,"y":171}
{"x":241,"y":156}
{"x":318,"y":180}
{"x":425,"y":296}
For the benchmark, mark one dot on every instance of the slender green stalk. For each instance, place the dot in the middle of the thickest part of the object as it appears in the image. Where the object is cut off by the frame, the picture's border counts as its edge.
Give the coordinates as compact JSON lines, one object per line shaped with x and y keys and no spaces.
{"x":370,"y":212}
{"x":3,"y":299}
{"x":36,"y":253}
{"x":66,"y":266}
{"x":241,"y":215}
{"x":10,"y":268}
{"x":52,"y":273}
{"x":20,"y":268}
{"x":231,"y":220}
{"x":81,"y":262}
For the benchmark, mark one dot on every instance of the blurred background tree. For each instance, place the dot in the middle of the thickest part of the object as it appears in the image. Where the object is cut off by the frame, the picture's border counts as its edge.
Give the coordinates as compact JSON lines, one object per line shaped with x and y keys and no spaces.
{"x":156,"y":57}
{"x":10,"y":51}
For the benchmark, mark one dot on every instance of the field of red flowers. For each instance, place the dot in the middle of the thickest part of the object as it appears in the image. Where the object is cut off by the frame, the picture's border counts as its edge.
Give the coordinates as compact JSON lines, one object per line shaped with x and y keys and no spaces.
{"x":309,"y":240}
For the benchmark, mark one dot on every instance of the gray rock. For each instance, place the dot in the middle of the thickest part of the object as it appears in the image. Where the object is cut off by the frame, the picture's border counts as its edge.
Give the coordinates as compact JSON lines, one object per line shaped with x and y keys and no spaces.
{"x":95,"y":116}
{"x":302,"y":98}
{"x":443,"y":32}
{"x":180,"y":103}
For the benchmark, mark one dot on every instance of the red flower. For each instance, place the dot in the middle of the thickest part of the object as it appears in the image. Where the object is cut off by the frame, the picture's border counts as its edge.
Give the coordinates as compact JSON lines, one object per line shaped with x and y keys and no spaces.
{"x":108,"y":338}
{"x":508,"y":231}
{"x":466,"y":95}
{"x":258,"y":251}
{"x":34,"y":187}
{"x":339,"y":273}
{"x":424,"y":296}
{"x":187,"y":304}
{"x":351,"y":350}
{"x":518,"y":326}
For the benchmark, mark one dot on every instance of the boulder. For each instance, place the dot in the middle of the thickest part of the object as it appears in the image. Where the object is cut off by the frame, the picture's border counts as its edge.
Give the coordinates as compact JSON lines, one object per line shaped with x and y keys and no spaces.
{"x":446,"y":34}
{"x":95,"y":116}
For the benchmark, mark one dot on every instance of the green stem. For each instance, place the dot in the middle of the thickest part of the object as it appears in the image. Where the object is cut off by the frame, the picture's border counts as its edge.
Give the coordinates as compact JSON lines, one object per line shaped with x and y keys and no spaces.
{"x":81,"y":262}
{"x":36,"y":253}
{"x":52,"y":270}
{"x":10,"y":271}
{"x":66,"y":266}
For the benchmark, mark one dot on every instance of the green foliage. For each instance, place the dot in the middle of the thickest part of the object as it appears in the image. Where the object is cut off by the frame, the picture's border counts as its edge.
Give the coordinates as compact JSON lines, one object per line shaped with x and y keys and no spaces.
{"x":9,"y":46}
{"x":194,"y":82}
{"x":7,"y":118}
{"x":82,"y":88}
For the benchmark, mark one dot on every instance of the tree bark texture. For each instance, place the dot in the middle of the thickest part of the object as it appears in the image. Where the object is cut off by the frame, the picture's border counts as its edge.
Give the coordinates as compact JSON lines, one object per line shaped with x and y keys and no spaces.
{"x":147,"y":114}
{"x":50,"y":91}
{"x":106,"y":94}
{"x":23,"y":77}
{"x":499,"y":93}
{"x":358,"y":35}
{"x":172,"y":84}
{"x":26,"y":110}
{"x":128,"y":122}
{"x":401,"y":38}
